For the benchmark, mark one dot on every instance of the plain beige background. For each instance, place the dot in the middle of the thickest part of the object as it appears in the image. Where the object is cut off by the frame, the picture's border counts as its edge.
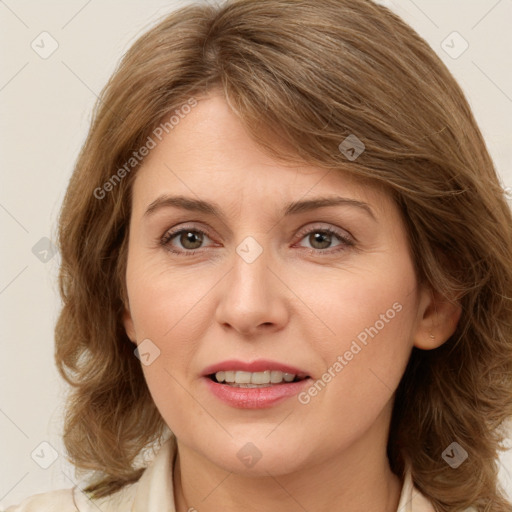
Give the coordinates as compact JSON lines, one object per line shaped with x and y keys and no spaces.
{"x":46,"y":101}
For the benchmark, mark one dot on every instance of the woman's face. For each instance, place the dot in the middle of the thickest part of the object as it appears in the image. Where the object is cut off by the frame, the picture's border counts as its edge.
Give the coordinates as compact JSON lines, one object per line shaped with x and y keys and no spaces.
{"x":233,"y":260}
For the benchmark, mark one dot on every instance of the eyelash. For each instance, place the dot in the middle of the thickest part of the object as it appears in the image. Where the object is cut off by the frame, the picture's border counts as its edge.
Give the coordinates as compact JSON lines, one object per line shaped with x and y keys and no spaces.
{"x":345,"y":240}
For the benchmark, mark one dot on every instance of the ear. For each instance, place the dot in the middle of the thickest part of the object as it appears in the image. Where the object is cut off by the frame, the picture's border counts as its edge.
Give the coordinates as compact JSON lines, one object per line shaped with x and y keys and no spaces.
{"x":438,"y":319}
{"x":128,"y":324}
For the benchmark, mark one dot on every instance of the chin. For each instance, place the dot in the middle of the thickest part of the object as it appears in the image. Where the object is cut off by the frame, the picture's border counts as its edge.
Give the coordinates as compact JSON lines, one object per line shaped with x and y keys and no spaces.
{"x":258,"y":457}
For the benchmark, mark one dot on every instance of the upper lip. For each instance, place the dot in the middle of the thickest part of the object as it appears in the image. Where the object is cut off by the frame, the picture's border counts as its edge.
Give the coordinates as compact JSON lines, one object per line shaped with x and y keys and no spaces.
{"x":259,"y":365}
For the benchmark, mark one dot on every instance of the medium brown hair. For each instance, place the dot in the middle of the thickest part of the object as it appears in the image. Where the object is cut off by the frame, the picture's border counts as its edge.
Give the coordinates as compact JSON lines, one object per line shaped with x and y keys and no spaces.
{"x":308,"y":73}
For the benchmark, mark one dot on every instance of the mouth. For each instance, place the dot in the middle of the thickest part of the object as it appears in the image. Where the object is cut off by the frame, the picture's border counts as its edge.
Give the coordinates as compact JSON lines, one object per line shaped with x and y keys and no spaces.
{"x":262,"y":379}
{"x":254,"y":385}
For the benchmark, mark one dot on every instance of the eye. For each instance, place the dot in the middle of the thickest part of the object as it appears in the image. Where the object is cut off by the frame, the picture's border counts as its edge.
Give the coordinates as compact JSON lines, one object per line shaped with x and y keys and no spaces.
{"x":189,"y":239}
{"x":323,"y":238}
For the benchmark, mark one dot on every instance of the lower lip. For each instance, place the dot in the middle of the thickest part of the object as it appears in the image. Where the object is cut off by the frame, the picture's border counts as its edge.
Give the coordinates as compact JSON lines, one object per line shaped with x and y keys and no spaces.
{"x":255,"y":398}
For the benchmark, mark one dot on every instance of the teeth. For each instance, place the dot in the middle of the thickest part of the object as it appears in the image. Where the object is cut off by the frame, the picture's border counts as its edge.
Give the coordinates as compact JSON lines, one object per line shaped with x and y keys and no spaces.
{"x":256,"y":378}
{"x":242,"y":377}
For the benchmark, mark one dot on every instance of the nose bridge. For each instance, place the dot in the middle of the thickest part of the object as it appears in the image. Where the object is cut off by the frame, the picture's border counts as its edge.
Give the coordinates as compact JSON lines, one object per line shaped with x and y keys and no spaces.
{"x":252,"y":296}
{"x":251,"y":268}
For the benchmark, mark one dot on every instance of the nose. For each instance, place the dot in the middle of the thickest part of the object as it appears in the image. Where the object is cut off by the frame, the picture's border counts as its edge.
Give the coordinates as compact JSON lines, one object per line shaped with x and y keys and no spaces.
{"x":252,"y":298}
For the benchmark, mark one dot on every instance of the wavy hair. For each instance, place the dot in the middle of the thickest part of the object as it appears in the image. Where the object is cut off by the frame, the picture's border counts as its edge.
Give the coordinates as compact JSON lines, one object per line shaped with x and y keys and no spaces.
{"x":306,"y":73}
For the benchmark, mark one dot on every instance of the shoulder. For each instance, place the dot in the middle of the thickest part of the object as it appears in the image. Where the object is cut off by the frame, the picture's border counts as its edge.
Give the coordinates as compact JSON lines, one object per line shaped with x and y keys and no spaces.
{"x":75,"y":500}
{"x":412,"y":500}
{"x":152,"y":492}
{"x":47,"y":501}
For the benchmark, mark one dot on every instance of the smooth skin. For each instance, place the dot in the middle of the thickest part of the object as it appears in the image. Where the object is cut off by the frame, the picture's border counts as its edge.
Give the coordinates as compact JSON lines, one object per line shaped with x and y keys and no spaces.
{"x":302,"y":302}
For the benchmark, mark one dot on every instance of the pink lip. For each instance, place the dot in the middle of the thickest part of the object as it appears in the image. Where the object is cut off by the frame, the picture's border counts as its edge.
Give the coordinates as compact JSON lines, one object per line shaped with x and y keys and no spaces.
{"x":256,"y":366}
{"x":254,"y":398}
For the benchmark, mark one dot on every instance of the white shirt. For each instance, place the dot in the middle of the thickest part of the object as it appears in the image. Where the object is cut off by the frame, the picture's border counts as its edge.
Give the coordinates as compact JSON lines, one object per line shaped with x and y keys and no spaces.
{"x":153,"y":492}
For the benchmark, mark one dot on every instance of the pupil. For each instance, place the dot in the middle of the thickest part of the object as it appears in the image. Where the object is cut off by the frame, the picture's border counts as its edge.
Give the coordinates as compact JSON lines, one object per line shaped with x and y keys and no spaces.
{"x":188,"y":237}
{"x":317,"y":237}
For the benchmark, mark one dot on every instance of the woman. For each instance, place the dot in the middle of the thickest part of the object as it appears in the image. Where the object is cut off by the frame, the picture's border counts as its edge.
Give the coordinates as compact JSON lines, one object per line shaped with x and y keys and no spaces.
{"x":286,"y":268}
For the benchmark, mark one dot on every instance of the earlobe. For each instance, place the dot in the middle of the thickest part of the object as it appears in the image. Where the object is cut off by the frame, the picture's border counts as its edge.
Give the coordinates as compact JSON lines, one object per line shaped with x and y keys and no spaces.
{"x":439,"y":320}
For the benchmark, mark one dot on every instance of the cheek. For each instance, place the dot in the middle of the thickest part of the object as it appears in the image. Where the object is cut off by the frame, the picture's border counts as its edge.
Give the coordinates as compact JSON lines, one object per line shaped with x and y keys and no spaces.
{"x":169,"y":392}
{"x":167,"y":306}
{"x":372,"y":317}
{"x":364,"y":304}
{"x":168,"y":311}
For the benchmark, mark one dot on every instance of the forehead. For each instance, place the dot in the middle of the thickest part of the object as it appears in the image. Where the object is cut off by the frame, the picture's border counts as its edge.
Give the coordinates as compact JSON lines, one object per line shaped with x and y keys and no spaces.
{"x":210,"y":155}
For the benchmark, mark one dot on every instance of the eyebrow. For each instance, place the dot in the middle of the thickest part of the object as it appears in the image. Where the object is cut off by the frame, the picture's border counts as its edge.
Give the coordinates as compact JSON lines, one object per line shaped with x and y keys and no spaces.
{"x":296,"y":207}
